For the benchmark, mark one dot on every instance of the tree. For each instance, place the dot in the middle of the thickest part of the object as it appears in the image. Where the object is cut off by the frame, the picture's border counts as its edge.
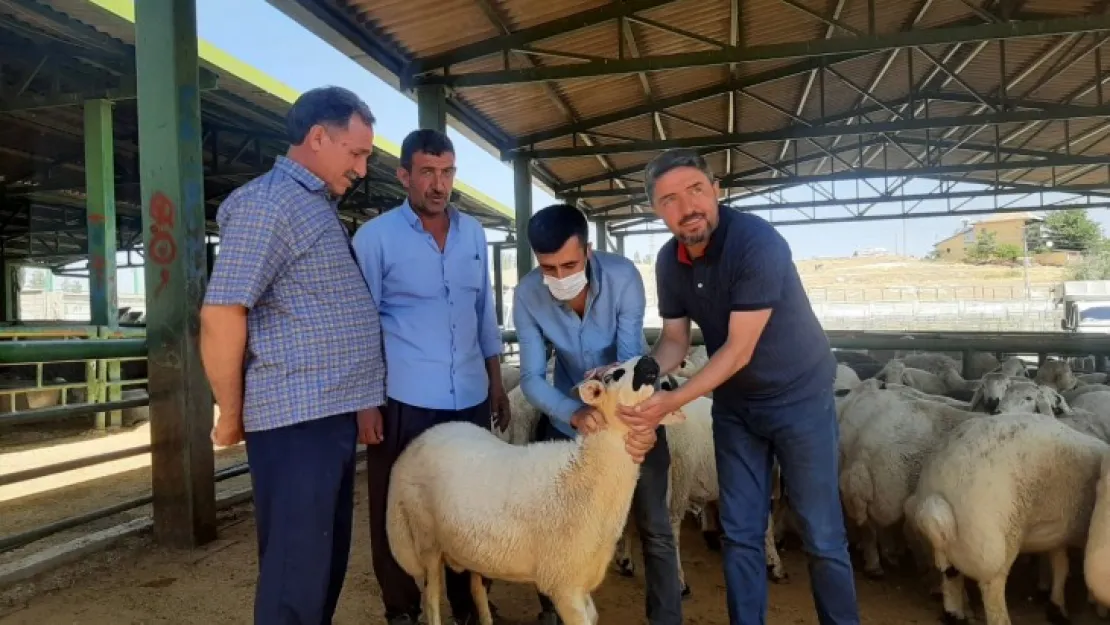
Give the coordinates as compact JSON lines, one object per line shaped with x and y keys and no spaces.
{"x":1072,"y":230}
{"x":985,"y":247}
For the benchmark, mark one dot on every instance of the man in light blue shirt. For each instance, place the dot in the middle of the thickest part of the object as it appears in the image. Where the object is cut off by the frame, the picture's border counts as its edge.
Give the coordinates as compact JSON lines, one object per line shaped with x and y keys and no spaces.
{"x":590,"y":306}
{"x":426,"y":265}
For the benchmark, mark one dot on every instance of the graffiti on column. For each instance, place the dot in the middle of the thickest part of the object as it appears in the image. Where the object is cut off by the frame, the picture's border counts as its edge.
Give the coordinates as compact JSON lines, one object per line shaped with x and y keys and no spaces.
{"x":163,"y":248}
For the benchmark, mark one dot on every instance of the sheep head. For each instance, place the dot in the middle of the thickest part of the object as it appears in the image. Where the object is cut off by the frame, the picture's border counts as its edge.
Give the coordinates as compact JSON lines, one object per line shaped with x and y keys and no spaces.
{"x":1057,"y":374}
{"x":1029,"y":397}
{"x":627,"y":384}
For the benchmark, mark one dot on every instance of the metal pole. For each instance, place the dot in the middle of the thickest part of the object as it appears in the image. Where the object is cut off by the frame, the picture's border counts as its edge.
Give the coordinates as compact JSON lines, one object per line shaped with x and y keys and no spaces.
{"x":172,"y":187}
{"x":100,"y":200}
{"x":522,"y":195}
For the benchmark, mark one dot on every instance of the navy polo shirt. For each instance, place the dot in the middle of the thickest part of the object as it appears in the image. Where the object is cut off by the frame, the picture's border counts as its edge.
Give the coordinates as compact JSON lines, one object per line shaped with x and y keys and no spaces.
{"x":748,"y":266}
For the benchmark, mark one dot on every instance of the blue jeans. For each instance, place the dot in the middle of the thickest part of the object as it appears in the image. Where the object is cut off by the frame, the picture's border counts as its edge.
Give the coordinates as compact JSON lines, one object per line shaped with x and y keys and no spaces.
{"x":303,"y":478}
{"x":803,"y":436}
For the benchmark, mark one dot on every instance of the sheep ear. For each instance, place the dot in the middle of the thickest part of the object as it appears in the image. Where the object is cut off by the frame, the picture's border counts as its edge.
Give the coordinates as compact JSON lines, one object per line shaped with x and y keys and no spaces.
{"x":591,"y":392}
{"x":673,"y":418}
{"x":1044,"y":406}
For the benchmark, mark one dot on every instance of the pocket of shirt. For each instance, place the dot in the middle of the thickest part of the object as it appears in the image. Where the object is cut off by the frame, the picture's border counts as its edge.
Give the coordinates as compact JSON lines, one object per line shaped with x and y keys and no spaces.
{"x":466,"y":274}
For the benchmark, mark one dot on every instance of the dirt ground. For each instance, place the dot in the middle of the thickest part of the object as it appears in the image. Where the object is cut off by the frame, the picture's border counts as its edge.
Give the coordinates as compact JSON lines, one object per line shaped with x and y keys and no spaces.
{"x":137,"y":583}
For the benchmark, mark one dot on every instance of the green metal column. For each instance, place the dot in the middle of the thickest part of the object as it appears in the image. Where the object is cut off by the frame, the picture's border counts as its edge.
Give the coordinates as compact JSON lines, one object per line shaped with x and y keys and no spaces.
{"x":172,"y":185}
{"x":620,"y":243}
{"x":100,"y":200}
{"x":431,"y":106}
{"x":522,"y":196}
{"x":602,"y":241}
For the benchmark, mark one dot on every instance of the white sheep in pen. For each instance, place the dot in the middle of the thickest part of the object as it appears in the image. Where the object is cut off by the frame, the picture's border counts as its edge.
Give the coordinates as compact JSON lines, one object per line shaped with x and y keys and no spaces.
{"x":547,"y":513}
{"x":1004,"y":485}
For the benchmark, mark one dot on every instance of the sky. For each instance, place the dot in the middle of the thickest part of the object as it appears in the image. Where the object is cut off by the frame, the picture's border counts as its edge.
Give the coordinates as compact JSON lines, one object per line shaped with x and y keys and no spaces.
{"x":290,"y":53}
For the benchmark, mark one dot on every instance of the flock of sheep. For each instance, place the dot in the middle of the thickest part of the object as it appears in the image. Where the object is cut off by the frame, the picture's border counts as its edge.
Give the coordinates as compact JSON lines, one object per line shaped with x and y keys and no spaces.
{"x":963,"y":470}
{"x":969,"y":473}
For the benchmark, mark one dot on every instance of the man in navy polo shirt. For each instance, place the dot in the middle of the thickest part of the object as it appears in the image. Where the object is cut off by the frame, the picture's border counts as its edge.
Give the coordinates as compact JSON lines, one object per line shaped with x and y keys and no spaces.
{"x":771,"y":372}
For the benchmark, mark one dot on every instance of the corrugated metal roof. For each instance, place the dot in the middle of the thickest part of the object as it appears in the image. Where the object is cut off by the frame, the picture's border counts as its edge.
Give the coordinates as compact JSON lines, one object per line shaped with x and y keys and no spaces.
{"x":247,"y":101}
{"x":962,"y":79}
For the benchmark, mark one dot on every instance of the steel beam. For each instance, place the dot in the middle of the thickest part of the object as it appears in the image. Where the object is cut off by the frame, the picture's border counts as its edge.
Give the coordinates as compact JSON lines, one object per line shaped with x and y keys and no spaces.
{"x":100,"y":198}
{"x":771,"y":52}
{"x":522,"y":196}
{"x":523,"y":37}
{"x":171,"y":165}
{"x":862,"y":174}
{"x":209,"y":81}
{"x":886,"y":216}
{"x":431,"y":107}
{"x":753,"y":80}
{"x":814,"y":132}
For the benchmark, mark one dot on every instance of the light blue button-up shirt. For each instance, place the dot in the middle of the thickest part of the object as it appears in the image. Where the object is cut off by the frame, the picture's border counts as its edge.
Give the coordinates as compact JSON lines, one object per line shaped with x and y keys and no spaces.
{"x":437,"y":313}
{"x":611,"y":330}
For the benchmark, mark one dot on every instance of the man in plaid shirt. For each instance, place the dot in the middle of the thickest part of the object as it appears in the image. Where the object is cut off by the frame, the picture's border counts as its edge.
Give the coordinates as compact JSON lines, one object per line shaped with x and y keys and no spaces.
{"x":291,"y":345}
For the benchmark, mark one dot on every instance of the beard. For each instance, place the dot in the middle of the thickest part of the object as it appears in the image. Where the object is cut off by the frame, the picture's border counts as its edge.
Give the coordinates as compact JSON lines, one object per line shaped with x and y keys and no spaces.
{"x":696,"y":238}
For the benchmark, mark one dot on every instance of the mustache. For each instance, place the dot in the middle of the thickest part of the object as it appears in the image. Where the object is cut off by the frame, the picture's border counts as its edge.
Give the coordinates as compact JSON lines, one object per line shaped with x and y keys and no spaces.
{"x":691,"y":218}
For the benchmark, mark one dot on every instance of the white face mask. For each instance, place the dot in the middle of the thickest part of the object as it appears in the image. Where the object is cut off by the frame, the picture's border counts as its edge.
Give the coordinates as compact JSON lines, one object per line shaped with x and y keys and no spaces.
{"x":567,"y":288}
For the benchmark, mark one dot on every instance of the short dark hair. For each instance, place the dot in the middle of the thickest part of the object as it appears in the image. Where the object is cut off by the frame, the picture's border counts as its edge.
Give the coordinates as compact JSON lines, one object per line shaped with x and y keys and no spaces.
{"x":426,"y":140}
{"x":327,"y":106}
{"x":672,"y":159}
{"x":550,"y":228}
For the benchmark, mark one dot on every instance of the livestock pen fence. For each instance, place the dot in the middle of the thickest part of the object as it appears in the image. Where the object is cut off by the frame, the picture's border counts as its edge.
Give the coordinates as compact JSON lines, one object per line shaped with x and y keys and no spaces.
{"x":96,"y":345}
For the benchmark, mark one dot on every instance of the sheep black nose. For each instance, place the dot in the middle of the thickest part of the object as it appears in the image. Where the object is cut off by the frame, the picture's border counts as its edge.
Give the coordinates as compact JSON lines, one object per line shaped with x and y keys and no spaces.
{"x":645,"y":372}
{"x":991,"y":405}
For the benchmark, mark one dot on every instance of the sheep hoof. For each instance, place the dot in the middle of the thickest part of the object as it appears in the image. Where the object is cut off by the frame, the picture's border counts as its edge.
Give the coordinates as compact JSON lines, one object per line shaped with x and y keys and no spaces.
{"x":951,"y":619}
{"x":1056,"y":616}
{"x":712,"y":540}
{"x":626,"y":568}
{"x":778,"y":578}
{"x":685,"y":590}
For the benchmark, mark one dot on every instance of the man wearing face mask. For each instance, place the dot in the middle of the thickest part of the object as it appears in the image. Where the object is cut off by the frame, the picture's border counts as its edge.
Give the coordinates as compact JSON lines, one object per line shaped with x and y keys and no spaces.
{"x":590,"y":306}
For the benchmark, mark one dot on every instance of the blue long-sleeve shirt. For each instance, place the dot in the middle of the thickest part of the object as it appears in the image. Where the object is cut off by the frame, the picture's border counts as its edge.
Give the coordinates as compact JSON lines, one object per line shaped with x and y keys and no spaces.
{"x":611,"y":330}
{"x":437,"y":312}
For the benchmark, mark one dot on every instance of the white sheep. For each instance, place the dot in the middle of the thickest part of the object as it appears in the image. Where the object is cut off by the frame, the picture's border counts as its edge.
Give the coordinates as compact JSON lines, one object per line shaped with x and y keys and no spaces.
{"x":525,"y":418}
{"x":1003,"y":485}
{"x":510,"y":377}
{"x":933,"y":363}
{"x":898,"y":372}
{"x":846,"y":378}
{"x":883,"y":460}
{"x":1096,"y":565}
{"x":546,"y":513}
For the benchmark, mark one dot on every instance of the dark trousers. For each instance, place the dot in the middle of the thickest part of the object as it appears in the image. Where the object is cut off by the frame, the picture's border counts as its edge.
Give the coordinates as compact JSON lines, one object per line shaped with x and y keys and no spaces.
{"x":303,"y":479}
{"x":804,"y":438}
{"x":653,"y":521}
{"x":401,"y":423}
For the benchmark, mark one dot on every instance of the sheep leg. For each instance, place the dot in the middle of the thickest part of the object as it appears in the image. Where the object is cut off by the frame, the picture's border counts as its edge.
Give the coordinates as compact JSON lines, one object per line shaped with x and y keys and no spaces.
{"x":591,"y":610}
{"x":1057,"y":611}
{"x":711,"y":526}
{"x":1100,"y":610}
{"x":869,"y":543}
{"x":775,"y":570}
{"x":994,"y":600}
{"x":623,"y":555}
{"x":1044,"y":576}
{"x":676,"y":531}
{"x":954,"y":596}
{"x":573,"y":608}
{"x":433,"y":589}
{"x":481,"y":599}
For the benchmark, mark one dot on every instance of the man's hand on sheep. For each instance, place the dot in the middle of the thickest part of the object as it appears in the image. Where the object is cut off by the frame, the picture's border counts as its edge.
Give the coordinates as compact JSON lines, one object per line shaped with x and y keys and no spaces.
{"x":638,"y":443}
{"x":647,"y":414}
{"x":370,"y":426}
{"x":500,"y":410}
{"x":586,"y":420}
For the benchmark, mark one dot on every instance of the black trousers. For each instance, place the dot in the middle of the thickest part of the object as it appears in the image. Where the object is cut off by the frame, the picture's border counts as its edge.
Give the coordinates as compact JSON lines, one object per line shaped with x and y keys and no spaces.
{"x":401,"y":423}
{"x":303,"y":480}
{"x":653,"y":520}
